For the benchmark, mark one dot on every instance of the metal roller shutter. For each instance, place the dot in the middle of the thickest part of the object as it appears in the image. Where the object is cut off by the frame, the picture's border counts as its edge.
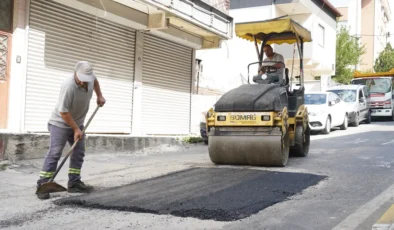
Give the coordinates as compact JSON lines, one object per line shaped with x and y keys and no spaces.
{"x":59,"y":36}
{"x":166,"y":84}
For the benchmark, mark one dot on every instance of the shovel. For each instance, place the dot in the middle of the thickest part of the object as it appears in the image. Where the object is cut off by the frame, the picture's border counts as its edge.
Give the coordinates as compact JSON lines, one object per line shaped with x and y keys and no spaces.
{"x":50,"y":186}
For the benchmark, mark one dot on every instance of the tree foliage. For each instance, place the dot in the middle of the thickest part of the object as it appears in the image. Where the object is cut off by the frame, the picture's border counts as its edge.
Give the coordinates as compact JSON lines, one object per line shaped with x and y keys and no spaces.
{"x":385,"y":61}
{"x":348,"y":54}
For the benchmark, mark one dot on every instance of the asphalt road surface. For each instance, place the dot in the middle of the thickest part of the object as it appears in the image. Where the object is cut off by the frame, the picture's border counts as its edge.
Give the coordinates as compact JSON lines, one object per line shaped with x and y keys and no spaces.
{"x":346,"y":182}
{"x":223,"y":194}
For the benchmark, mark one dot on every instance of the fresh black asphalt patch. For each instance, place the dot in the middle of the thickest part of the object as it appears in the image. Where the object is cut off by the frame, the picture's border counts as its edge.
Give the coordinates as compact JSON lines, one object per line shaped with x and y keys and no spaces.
{"x":222,"y":194}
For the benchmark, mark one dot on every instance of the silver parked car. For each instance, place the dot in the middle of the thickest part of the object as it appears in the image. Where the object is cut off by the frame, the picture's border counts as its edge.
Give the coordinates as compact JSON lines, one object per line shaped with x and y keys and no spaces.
{"x":358,"y":100}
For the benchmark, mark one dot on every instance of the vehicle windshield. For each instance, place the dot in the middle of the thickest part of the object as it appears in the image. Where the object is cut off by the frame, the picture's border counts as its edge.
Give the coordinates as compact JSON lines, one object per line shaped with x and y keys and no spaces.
{"x":375,"y":85}
{"x":315,"y":99}
{"x":347,"y":95}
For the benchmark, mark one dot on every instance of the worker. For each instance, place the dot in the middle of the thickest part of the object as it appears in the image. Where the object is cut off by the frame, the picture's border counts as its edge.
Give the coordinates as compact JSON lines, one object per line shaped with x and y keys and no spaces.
{"x":65,"y":125}
{"x":275,"y":57}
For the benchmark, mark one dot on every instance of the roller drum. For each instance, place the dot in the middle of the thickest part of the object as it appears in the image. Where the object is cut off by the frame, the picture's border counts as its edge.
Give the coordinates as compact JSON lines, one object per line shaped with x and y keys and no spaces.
{"x":263,"y":150}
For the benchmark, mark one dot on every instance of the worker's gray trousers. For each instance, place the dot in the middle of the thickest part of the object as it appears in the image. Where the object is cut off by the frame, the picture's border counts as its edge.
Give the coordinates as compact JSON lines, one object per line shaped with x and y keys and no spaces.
{"x":58,"y":139}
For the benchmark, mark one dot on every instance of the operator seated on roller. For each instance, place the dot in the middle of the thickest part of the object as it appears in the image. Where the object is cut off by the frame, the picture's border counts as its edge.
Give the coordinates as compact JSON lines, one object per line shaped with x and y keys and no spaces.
{"x":278,"y":58}
{"x":272,"y":70}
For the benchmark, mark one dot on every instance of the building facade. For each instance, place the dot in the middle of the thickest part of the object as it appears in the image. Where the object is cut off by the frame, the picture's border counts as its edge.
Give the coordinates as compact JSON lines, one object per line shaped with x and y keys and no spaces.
{"x":143,"y":53}
{"x":227,"y":67}
{"x":370,"y":21}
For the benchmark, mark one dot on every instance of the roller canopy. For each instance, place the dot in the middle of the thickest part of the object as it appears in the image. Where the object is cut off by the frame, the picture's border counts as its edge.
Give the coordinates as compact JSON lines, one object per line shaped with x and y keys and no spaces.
{"x":277,"y":31}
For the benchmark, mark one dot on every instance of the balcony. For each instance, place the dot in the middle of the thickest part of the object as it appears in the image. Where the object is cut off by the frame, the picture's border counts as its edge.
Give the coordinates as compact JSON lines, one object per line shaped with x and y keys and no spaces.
{"x":196,"y":17}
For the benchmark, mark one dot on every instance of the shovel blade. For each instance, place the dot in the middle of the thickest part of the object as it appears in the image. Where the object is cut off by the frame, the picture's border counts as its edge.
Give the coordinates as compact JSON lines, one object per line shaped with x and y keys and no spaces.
{"x":50,"y":187}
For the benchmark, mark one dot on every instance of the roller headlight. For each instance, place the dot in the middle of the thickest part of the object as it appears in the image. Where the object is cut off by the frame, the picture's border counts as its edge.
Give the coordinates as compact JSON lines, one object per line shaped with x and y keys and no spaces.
{"x":221,"y":118}
{"x":265,"y":117}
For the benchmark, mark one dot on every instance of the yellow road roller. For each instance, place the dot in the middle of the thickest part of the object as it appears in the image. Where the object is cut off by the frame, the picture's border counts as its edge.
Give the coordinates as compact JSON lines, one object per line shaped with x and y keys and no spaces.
{"x":262,"y":122}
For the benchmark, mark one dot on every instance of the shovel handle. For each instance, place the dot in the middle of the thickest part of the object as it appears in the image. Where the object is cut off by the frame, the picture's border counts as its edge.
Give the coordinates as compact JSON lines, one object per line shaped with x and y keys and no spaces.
{"x":73,"y":146}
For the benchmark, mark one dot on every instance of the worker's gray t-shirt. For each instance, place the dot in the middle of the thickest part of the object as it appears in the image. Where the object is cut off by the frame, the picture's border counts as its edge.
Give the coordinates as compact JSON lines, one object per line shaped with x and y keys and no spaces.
{"x":278,"y":58}
{"x":73,"y":99}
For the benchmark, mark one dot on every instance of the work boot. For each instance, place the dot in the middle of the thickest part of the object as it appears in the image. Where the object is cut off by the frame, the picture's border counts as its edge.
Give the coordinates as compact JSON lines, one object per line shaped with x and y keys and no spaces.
{"x":42,"y":196}
{"x":79,"y":187}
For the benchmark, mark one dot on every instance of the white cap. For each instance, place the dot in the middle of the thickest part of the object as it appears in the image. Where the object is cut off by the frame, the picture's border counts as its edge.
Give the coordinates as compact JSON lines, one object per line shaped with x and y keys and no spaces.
{"x":84,"y":71}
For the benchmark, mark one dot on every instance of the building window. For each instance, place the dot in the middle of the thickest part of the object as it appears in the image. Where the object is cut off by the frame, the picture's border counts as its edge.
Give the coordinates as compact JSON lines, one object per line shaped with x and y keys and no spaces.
{"x":321,"y":35}
{"x":6,"y":7}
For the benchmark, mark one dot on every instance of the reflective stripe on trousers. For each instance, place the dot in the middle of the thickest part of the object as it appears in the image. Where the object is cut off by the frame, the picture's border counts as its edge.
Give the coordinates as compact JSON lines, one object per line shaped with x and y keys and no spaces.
{"x":58,"y":139}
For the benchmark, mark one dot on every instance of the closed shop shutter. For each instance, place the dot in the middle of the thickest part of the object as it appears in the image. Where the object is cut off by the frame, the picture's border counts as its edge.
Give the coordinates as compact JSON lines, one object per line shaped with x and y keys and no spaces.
{"x":166,"y":84}
{"x":59,"y":36}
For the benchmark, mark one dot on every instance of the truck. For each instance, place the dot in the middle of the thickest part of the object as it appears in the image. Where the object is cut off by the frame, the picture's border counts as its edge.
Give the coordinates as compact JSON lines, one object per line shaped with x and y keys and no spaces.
{"x":380,"y":91}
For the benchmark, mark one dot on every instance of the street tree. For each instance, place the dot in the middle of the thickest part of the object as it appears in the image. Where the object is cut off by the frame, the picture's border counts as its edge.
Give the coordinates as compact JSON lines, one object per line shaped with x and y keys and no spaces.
{"x":348,"y":54}
{"x":385,"y":61}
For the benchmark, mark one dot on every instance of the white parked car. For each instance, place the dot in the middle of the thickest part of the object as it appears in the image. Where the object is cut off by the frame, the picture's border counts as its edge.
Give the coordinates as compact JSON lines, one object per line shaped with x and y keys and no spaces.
{"x":357,"y":99}
{"x":326,"y":110}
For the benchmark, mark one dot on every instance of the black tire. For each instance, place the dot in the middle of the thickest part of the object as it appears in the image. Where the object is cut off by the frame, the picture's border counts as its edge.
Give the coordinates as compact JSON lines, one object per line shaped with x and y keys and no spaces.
{"x":345,"y":123}
{"x":302,"y":142}
{"x":327,"y":129}
{"x":369,"y":118}
{"x":356,"y":122}
{"x":392,"y":116}
{"x":285,"y":149}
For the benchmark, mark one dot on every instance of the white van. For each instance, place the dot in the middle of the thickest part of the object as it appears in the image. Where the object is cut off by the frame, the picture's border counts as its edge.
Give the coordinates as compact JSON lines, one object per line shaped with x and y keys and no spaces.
{"x":358,"y":99}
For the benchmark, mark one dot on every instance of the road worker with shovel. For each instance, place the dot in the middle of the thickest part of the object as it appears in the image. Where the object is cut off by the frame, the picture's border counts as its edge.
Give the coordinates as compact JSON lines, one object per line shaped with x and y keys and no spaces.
{"x":65,"y":125}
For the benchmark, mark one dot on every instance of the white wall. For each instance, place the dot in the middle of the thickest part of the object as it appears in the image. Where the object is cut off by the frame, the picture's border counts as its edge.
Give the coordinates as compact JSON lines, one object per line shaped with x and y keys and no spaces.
{"x":323,"y":55}
{"x":340,"y":3}
{"x":354,"y":17}
{"x":314,"y":53}
{"x":379,"y":41}
{"x":223,"y":66}
{"x":391,"y":38}
{"x":353,"y":22}
{"x":18,"y":70}
{"x":391,"y":25}
{"x":20,"y":43}
{"x":200,"y":104}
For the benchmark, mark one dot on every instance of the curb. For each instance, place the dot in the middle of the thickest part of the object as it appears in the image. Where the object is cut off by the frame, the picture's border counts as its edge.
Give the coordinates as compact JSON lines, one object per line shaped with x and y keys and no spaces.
{"x":386,"y":221}
{"x":16,"y":147}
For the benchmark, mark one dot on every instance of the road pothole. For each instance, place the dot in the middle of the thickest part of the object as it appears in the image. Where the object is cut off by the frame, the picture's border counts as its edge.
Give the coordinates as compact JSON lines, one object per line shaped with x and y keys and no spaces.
{"x":222,"y":194}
